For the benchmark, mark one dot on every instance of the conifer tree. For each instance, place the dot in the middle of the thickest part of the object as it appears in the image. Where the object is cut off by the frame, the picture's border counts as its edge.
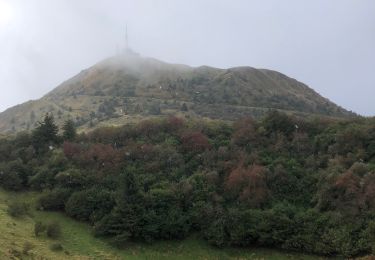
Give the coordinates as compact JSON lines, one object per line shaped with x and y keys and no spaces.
{"x":69,"y":130}
{"x":46,"y":133}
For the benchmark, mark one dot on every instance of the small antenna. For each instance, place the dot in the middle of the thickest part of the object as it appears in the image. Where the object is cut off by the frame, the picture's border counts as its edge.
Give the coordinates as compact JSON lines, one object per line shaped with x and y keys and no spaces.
{"x":126,"y":39}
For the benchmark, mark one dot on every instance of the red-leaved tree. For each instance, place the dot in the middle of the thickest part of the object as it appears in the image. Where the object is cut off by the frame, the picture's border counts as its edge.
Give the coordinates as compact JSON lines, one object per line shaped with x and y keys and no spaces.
{"x":195,"y":141}
{"x":248,"y":185}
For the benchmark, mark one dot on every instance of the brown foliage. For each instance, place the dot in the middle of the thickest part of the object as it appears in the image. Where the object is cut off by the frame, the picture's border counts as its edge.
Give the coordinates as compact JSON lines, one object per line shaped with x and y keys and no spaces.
{"x":348,"y":183}
{"x":71,"y":150}
{"x":148,"y":128}
{"x":174,"y":123}
{"x":102,"y":155}
{"x":103,"y":135}
{"x":195,"y":141}
{"x":244,"y":131}
{"x":346,"y":194}
{"x":248,"y":184}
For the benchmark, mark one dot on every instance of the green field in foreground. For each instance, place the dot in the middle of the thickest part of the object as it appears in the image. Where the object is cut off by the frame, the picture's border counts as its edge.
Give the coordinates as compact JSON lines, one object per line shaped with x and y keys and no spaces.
{"x":78,"y":242}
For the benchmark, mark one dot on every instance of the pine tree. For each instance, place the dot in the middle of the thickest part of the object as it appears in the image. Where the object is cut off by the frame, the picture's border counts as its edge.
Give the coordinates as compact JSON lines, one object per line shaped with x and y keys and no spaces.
{"x":184,"y":107}
{"x":46,"y":133}
{"x":125,"y":221}
{"x":69,"y":130}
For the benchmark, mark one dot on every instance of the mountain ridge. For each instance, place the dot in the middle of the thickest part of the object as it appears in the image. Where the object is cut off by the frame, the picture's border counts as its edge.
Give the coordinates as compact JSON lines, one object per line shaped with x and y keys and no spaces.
{"x":127,"y":87}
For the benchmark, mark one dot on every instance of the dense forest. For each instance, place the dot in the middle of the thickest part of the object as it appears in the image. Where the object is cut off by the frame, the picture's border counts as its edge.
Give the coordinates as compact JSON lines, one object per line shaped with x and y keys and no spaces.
{"x":285,"y":182}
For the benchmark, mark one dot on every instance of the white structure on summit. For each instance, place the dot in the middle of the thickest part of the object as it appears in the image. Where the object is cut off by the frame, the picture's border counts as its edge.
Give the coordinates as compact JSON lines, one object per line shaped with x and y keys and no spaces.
{"x":126,"y":39}
{"x":125,"y":50}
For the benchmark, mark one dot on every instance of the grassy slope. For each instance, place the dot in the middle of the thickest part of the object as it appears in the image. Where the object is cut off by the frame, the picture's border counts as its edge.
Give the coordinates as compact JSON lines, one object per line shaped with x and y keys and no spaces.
{"x":78,"y":242}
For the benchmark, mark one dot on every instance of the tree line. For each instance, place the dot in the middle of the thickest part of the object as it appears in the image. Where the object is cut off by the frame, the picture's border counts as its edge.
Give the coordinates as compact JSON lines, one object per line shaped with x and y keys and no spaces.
{"x":297,"y":184}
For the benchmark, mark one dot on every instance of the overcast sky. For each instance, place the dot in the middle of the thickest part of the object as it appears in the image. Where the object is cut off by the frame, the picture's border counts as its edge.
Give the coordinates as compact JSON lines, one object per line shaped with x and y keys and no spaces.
{"x":327,"y":44}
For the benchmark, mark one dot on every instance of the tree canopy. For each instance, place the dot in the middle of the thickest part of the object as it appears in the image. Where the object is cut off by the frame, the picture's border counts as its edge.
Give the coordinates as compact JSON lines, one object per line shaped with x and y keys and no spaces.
{"x":265,"y":183}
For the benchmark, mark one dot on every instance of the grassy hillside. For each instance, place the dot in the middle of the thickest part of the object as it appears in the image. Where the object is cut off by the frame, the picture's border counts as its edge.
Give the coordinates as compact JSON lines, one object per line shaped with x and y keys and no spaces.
{"x":78,"y":242}
{"x":129,"y":87}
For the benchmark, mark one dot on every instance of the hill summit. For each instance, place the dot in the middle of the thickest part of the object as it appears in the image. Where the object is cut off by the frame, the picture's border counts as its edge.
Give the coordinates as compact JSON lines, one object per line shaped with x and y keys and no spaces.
{"x":128,"y":87}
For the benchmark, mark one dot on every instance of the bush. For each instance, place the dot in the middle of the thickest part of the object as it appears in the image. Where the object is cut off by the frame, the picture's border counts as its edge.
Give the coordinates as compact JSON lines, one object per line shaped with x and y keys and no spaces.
{"x":10,"y":181}
{"x":275,"y":122}
{"x":120,"y":240}
{"x":27,"y":246}
{"x":195,"y":141}
{"x":89,"y":204}
{"x":71,"y":178}
{"x":39,"y":227}
{"x":43,"y":179}
{"x":56,"y":247}
{"x":18,"y":209}
{"x":54,"y":230}
{"x":15,"y":253}
{"x":54,"y":200}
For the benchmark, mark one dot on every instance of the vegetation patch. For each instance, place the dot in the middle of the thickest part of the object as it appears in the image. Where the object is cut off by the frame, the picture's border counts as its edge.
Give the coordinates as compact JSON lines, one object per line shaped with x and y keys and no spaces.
{"x":282,"y":182}
{"x":18,"y":209}
{"x":17,"y":239}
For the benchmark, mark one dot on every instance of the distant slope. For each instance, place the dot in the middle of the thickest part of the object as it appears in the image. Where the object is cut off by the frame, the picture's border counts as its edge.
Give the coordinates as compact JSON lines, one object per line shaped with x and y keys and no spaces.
{"x":128,"y":87}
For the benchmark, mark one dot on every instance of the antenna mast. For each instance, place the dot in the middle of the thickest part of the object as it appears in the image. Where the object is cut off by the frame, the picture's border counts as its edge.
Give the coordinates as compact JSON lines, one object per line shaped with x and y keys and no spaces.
{"x":126,"y":39}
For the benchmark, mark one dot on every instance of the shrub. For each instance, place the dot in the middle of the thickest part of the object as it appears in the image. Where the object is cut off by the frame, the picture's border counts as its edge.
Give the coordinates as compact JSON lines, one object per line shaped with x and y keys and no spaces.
{"x":89,"y":204}
{"x":71,"y":178}
{"x":18,"y":209}
{"x":56,"y":247}
{"x":195,"y":142}
{"x":15,"y":254}
{"x":27,"y":246}
{"x":120,"y":240}
{"x":54,"y":230}
{"x":39,"y":227}
{"x":54,"y":200}
{"x":10,"y":180}
{"x":249,"y":185}
{"x":275,"y":122}
{"x":44,"y":178}
{"x":215,"y":233}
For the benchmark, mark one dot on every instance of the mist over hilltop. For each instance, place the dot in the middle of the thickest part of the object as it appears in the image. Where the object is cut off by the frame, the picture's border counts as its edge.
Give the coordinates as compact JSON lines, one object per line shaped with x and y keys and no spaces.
{"x":326,"y":45}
